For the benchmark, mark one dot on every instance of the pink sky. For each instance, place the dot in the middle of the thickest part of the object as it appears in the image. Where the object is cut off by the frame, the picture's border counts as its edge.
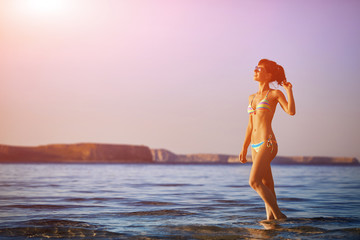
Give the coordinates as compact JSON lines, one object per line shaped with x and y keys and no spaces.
{"x":177,"y":74}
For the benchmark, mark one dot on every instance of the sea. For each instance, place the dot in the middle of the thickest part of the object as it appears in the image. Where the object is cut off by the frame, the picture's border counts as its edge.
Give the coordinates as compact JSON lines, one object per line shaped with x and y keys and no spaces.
{"x":179,"y":201}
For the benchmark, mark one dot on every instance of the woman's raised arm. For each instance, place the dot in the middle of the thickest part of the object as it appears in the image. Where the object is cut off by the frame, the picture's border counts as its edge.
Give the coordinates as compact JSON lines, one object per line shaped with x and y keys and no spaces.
{"x":288,"y":106}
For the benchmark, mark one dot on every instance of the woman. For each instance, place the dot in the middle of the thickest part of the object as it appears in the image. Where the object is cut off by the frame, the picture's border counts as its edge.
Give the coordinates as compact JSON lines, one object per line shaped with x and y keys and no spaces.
{"x":264,"y":147}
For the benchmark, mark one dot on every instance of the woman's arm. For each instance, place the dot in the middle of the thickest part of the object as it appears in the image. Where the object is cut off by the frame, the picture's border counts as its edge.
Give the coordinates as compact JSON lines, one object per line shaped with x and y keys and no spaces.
{"x":289,"y":107}
{"x":243,"y":153}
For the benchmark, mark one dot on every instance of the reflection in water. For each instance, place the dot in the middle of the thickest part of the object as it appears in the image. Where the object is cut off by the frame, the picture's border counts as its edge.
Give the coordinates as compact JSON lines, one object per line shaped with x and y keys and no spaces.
{"x":269,"y":225}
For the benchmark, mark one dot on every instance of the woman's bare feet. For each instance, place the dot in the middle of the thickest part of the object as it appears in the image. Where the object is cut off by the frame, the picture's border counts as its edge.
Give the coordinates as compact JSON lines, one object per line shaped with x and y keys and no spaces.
{"x":282,"y":216}
{"x":270,"y":216}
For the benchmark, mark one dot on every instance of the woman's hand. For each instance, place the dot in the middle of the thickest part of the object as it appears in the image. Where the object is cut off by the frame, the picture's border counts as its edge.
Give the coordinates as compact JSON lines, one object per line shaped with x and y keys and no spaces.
{"x":242,"y":156}
{"x":287,"y":86}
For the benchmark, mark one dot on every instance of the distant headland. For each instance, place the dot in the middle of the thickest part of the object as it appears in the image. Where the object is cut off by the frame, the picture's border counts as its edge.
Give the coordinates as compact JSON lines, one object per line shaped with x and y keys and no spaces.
{"x":76,"y":153}
{"x":120,"y":153}
{"x":165,"y":156}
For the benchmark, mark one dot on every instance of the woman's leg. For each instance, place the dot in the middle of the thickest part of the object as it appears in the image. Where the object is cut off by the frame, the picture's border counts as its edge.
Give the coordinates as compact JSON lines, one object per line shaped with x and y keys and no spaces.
{"x":268,"y":179}
{"x":261,"y":171}
{"x":269,"y":182}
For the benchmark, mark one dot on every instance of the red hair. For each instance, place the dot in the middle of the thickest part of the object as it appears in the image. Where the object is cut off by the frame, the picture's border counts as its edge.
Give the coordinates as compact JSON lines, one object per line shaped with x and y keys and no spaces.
{"x":277,"y":71}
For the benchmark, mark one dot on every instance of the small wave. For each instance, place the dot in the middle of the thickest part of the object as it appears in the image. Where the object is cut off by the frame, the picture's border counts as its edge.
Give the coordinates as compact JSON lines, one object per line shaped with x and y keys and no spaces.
{"x":255,"y":209}
{"x":236,"y":203}
{"x":227,"y":201}
{"x":238,"y":186}
{"x":8,"y":184}
{"x":58,"y":223}
{"x":83,"y":191}
{"x":291,"y":186}
{"x":68,"y":229}
{"x":55,"y":229}
{"x":310,"y":226}
{"x":93,"y":199}
{"x":293,"y":199}
{"x":166,"y":212}
{"x":206,"y":208}
{"x":44,"y":206}
{"x":277,"y":232}
{"x":140,"y":185}
{"x":219,"y":232}
{"x":305,"y":230}
{"x":29,"y":185}
{"x":177,"y":185}
{"x":321,"y":220}
{"x":152,"y":203}
{"x":77,"y":199}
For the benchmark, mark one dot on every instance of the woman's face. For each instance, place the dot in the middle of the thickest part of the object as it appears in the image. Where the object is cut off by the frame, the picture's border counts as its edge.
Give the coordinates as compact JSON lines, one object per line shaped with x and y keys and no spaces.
{"x":260,"y":74}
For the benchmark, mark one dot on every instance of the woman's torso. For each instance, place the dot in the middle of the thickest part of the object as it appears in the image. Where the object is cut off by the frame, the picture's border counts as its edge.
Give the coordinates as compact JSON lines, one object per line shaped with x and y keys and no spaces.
{"x":263,"y":107}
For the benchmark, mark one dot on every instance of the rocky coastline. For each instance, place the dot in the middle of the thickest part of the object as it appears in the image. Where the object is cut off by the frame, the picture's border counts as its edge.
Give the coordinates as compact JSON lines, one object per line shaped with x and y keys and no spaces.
{"x":76,"y":153}
{"x":165,"y":156}
{"x":120,"y":153}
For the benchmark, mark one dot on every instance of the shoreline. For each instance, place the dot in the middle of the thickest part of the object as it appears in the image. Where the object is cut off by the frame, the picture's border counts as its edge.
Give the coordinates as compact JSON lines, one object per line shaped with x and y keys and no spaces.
{"x":99,"y":153}
{"x":176,"y":164}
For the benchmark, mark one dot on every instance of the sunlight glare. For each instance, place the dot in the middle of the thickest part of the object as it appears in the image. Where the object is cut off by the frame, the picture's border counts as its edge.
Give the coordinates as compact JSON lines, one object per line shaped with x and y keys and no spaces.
{"x":43,"y":7}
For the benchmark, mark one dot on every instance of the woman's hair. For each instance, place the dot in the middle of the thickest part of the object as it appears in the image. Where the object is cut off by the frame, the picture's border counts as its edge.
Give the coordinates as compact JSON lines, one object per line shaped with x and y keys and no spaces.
{"x":277,"y":71}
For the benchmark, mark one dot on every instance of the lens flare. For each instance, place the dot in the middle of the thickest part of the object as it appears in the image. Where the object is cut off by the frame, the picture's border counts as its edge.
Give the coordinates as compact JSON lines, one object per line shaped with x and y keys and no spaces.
{"x":44,"y":6}
{"x":39,"y":8}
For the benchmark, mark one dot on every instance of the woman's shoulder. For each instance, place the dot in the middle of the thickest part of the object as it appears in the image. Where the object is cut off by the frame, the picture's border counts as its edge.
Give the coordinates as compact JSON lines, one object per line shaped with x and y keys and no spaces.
{"x":276,"y":93}
{"x":251,"y":97}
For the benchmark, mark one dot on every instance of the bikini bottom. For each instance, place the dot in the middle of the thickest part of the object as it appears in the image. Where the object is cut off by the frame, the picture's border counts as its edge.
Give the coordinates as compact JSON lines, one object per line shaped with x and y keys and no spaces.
{"x":269,"y":143}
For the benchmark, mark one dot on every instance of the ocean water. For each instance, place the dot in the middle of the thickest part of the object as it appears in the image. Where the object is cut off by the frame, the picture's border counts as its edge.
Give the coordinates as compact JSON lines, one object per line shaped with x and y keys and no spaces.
{"x":155,"y":201}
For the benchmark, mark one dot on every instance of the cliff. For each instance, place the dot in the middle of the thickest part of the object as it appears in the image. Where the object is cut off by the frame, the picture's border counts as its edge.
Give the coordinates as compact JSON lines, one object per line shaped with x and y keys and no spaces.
{"x":316,"y":160}
{"x":115,"y":153}
{"x":165,"y":156}
{"x":76,"y":153}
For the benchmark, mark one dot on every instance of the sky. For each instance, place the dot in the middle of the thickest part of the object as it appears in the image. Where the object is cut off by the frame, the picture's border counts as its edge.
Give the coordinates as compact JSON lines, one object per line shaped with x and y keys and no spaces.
{"x":177,"y":74}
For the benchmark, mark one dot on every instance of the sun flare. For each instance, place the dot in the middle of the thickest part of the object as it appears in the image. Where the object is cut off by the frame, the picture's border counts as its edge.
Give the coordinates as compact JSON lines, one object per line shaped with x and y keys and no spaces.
{"x":42,"y":7}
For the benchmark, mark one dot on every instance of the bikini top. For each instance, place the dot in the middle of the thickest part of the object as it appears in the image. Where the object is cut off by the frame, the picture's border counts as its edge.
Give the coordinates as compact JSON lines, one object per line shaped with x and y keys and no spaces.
{"x":262,"y":105}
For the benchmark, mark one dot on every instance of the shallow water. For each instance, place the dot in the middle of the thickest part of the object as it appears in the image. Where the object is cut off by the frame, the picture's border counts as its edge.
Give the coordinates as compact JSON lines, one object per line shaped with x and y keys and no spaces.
{"x":153,"y":201}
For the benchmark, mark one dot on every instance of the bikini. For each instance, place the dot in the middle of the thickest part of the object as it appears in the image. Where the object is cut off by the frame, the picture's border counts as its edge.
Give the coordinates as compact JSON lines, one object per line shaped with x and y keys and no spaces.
{"x":262,"y":105}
